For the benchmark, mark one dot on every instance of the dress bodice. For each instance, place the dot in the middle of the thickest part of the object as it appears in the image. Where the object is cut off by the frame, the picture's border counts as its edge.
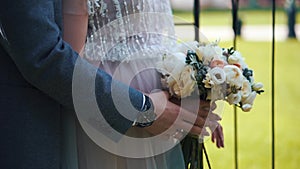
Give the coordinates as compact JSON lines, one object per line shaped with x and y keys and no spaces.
{"x":126,"y":38}
{"x":128,"y":29}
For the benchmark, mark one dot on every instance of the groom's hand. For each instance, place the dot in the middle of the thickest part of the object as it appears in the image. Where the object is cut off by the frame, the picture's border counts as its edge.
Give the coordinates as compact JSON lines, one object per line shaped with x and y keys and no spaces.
{"x":172,"y":119}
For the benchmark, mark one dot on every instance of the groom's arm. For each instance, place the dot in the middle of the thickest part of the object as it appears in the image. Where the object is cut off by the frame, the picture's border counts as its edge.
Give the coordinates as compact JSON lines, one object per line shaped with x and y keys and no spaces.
{"x":33,"y":39}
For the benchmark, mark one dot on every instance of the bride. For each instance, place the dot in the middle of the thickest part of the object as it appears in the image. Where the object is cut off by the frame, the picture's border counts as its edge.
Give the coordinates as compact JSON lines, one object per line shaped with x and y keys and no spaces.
{"x":125,"y":38}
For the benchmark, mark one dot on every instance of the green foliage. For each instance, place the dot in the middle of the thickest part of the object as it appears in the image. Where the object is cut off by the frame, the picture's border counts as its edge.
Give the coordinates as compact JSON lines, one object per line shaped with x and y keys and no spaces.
{"x":201,"y":71}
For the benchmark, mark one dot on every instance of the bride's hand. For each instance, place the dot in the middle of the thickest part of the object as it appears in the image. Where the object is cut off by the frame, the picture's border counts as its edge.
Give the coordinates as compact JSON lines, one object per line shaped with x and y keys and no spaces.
{"x":212,"y":121}
{"x":218,"y":137}
{"x":167,"y":113}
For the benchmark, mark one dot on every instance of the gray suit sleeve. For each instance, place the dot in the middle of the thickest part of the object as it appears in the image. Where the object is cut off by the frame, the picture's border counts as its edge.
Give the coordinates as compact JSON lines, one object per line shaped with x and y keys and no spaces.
{"x":34,"y":42}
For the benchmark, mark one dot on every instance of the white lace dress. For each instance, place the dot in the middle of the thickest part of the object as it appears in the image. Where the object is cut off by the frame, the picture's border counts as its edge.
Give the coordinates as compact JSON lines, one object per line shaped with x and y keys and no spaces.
{"x":126,"y":38}
{"x":129,"y":35}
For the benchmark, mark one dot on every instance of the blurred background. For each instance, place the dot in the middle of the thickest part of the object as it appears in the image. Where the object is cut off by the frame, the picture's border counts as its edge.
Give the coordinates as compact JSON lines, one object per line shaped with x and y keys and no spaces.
{"x":255,"y":43}
{"x":223,"y":4}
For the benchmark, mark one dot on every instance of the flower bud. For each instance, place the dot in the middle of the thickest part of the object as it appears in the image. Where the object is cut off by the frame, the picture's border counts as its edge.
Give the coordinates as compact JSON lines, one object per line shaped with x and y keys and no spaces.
{"x":250,"y":98}
{"x":246,"y":107}
{"x":257,"y":86}
{"x":246,"y":88}
{"x":234,"y":98}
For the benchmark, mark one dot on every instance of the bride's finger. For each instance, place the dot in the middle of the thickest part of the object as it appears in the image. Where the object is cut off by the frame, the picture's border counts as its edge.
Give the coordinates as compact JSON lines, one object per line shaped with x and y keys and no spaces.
{"x":192,"y":129}
{"x":217,"y":137}
{"x":178,"y":134}
{"x":213,"y":137}
{"x":192,"y":118}
{"x":220,"y":136}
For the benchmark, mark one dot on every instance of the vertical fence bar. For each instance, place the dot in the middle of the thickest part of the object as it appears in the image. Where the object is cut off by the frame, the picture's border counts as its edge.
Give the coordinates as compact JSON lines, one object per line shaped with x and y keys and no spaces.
{"x":235,"y":138}
{"x":196,"y":12}
{"x":193,"y":160}
{"x":234,"y":20}
{"x":273,"y":83}
{"x":235,"y":7}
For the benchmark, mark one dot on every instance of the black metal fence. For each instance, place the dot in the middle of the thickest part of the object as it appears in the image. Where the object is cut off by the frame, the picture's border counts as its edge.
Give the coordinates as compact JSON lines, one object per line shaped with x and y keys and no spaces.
{"x":235,"y":6}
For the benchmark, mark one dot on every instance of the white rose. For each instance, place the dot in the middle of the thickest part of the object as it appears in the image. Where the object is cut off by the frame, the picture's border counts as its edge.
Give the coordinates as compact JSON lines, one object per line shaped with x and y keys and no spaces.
{"x":218,"y":51}
{"x":170,"y":64}
{"x":234,"y":75}
{"x":208,"y":53}
{"x":217,"y":75}
{"x":192,"y":45}
{"x":236,"y":58}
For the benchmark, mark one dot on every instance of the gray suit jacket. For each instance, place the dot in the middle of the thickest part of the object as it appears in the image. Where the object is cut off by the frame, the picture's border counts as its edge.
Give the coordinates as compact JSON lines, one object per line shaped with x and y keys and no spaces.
{"x":36,"y":71}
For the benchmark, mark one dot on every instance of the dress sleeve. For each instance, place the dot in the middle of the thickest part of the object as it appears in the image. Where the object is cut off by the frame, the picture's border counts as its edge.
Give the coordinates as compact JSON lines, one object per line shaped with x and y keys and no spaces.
{"x":34,"y":42}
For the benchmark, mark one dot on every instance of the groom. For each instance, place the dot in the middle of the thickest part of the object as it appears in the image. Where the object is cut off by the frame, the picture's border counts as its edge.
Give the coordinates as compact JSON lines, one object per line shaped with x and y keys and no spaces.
{"x":36,"y":72}
{"x":36,"y":69}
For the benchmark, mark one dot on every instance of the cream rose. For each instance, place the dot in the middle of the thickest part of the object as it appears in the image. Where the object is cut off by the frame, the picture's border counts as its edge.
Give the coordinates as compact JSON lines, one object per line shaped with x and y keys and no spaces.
{"x":246,"y":88}
{"x":208,"y":83}
{"x":184,"y":85}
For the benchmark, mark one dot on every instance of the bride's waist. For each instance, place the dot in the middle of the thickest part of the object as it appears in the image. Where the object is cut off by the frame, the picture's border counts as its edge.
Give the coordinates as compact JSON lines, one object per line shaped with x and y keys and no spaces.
{"x":134,"y":47}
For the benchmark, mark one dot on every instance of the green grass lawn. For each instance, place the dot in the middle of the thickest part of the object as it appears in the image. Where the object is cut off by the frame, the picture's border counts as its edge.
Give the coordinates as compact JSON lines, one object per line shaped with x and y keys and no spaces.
{"x":224,"y":17}
{"x":254,"y":128}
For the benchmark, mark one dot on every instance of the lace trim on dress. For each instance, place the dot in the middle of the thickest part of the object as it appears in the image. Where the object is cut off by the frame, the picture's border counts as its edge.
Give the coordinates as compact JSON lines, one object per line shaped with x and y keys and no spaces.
{"x":135,"y":27}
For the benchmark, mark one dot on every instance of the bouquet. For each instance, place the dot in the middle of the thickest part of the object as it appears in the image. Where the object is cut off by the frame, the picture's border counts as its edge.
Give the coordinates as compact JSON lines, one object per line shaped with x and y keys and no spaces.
{"x":217,"y":73}
{"x":213,"y":73}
